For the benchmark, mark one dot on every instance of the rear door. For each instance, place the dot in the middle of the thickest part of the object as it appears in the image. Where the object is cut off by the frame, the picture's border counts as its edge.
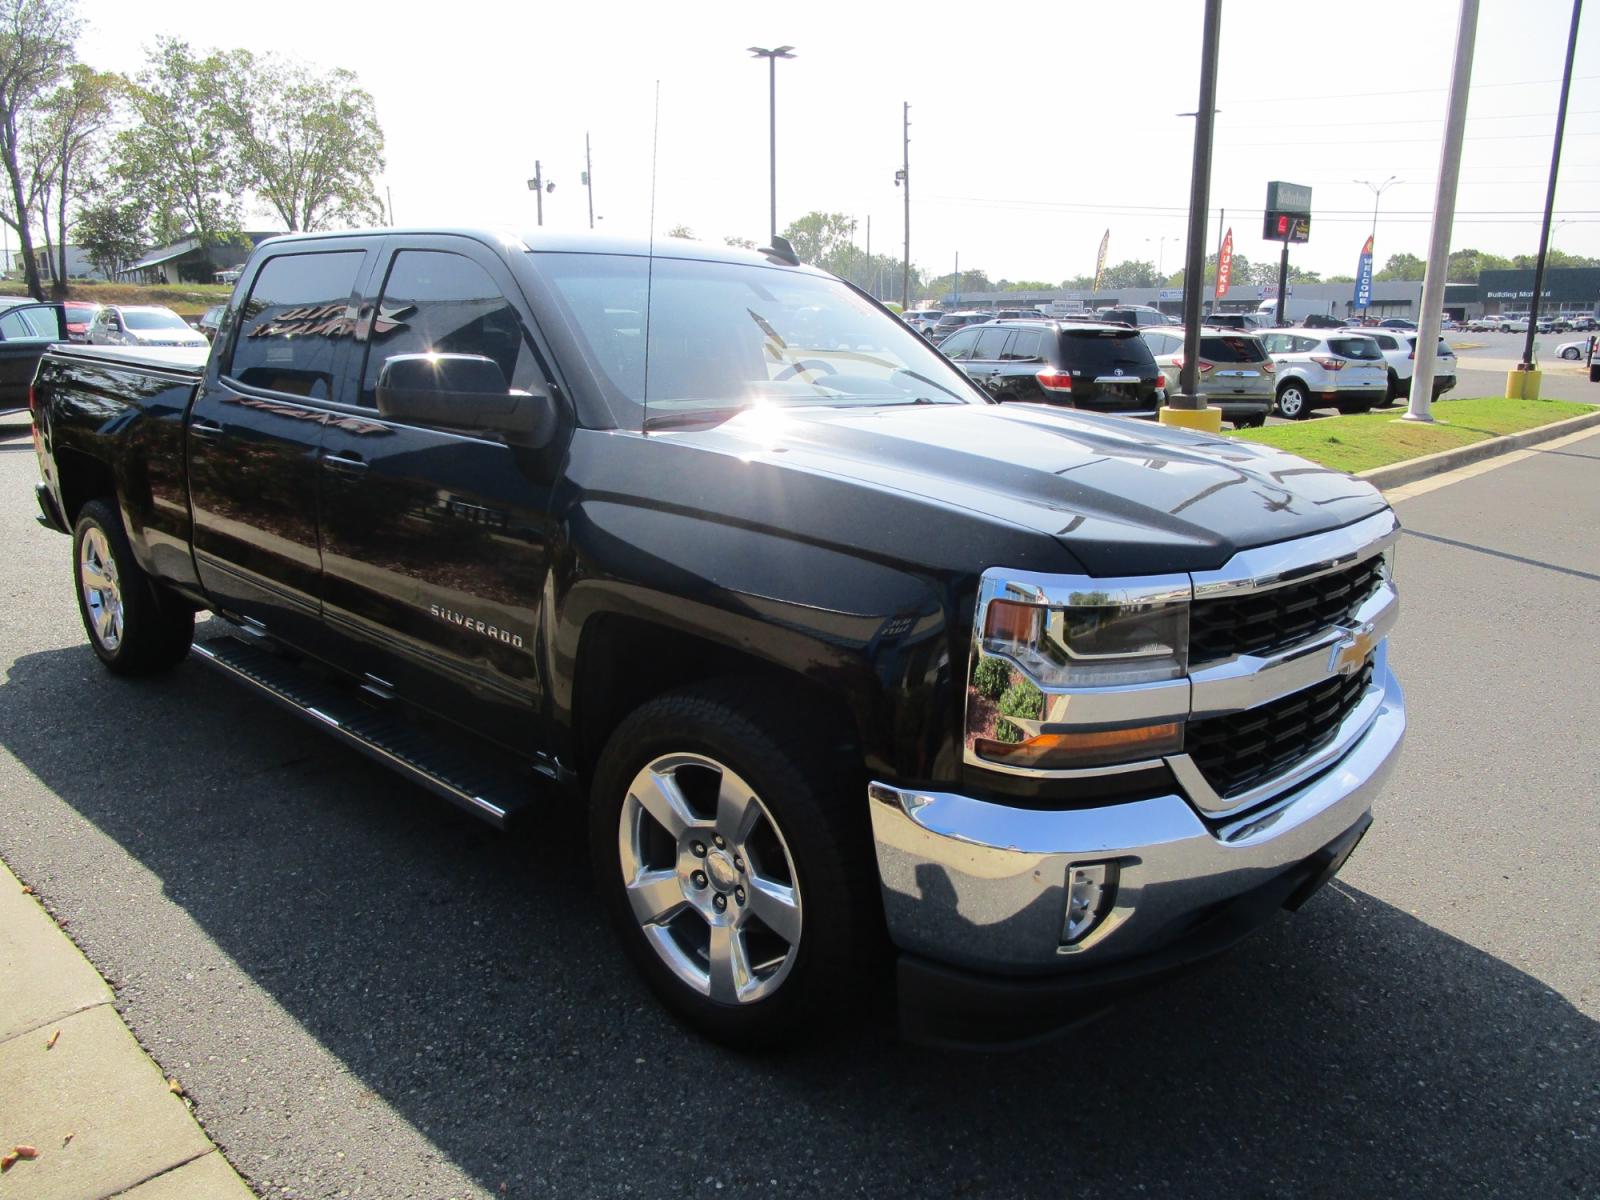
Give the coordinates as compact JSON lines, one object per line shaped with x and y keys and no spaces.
{"x":1019,"y":367}
{"x":984,"y":365}
{"x":26,"y":332}
{"x":255,"y":435}
{"x":436,"y":541}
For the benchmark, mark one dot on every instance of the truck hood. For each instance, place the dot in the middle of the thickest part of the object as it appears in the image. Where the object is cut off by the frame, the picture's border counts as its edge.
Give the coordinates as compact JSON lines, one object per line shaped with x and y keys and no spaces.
{"x":1123,"y":497}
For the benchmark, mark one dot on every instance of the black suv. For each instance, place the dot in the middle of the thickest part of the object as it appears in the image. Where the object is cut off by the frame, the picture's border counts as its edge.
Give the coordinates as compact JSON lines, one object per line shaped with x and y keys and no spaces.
{"x":1099,"y":367}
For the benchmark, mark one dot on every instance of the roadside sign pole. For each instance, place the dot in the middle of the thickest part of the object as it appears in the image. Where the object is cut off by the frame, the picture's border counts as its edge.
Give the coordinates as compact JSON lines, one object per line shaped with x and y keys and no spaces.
{"x":1188,"y":406}
{"x":1283,"y":280}
{"x":1444,"y":215}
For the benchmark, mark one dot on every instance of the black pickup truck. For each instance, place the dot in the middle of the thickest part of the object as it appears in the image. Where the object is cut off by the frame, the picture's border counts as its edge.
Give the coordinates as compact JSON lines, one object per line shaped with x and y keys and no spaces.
{"x":865,"y":680}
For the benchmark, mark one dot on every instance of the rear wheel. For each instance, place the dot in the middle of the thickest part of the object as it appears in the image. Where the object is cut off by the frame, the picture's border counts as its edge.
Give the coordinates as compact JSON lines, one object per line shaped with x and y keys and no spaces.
{"x":1394,"y":387}
{"x":133,"y":627}
{"x":732,"y":851}
{"x":1351,"y":410}
{"x":1571,"y":352}
{"x":1251,"y":422}
{"x":1293,"y":401}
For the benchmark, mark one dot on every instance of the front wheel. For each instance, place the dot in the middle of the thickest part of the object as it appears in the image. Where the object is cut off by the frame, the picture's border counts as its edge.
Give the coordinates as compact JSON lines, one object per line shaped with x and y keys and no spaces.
{"x":732,"y":851}
{"x":1571,"y":352}
{"x":134,"y":628}
{"x":1293,"y":402}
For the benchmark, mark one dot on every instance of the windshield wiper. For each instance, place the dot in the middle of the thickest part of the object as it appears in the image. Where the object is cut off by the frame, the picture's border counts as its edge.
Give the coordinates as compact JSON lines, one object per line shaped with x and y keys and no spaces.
{"x":956,"y":396}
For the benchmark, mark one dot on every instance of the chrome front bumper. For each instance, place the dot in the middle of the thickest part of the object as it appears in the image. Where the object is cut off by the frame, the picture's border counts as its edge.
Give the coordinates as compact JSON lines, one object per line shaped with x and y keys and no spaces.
{"x":982,"y":885}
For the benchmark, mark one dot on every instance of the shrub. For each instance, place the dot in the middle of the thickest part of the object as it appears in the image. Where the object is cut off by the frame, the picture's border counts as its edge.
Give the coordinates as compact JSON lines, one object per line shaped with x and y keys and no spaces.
{"x":992,"y":677}
{"x":1024,"y":700}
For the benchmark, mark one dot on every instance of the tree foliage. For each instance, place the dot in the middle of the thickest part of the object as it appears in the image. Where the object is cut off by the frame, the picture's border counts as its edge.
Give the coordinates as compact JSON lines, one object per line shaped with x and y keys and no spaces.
{"x":64,"y":144}
{"x":1402,"y":267}
{"x":681,"y":231}
{"x":308,"y":144}
{"x":36,"y":38}
{"x":822,"y":239}
{"x":111,"y":233}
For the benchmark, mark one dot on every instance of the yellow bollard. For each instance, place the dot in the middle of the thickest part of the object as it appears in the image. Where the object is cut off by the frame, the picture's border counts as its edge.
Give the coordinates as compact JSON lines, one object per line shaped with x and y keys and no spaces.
{"x":1206,"y":420}
{"x":1523,"y":385}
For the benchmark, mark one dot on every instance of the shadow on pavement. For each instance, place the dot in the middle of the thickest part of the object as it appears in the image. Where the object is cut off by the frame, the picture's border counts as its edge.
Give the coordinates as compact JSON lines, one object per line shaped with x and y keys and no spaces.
{"x":1352,"y":1050}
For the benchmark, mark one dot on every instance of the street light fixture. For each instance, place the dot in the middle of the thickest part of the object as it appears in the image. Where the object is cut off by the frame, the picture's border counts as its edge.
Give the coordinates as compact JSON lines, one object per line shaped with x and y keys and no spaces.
{"x":1377,"y":192}
{"x":772,"y":57}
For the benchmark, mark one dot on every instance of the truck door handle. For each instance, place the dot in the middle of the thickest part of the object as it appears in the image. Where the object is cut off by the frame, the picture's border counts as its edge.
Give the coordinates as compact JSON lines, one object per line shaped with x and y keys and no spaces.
{"x":345,"y":465}
{"x":205,"y":430}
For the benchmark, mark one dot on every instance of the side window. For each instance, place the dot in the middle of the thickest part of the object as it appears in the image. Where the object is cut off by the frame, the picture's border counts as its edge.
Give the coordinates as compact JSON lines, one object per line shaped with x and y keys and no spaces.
{"x":291,"y":326}
{"x":1161,"y":343}
{"x":959,"y":345}
{"x":1385,"y":342}
{"x":29,"y":323}
{"x":1304,"y":344}
{"x":1025,"y":346}
{"x":991,"y":344}
{"x":437,"y":302}
{"x":1276,"y":343}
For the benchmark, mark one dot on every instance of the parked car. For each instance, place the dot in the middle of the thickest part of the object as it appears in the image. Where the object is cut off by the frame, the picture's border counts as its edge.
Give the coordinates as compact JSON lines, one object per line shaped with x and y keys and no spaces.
{"x":1017,"y":314}
{"x":27,"y":329}
{"x":1573,"y":351}
{"x":1318,"y":369}
{"x":1236,"y":372}
{"x":1243,"y":322}
{"x":1396,"y":323}
{"x":1101,"y":368}
{"x":922,"y":319}
{"x":1137,"y":315}
{"x":80,"y":315}
{"x":949,"y":322}
{"x":1399,"y":350}
{"x":1585,"y":324}
{"x":847,"y":678}
{"x":141,"y":325}
{"x":211,"y":320}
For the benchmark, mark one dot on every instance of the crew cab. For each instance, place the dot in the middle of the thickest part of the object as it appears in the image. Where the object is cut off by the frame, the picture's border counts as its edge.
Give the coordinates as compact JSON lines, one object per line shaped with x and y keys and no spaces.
{"x":852,"y":667}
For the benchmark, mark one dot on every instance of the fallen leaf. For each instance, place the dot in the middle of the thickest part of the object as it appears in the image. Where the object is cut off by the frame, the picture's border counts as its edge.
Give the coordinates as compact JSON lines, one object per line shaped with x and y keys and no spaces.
{"x":7,"y":1161}
{"x":174,"y":1086}
{"x":68,"y":1138}
{"x":26,"y":890}
{"x":27,"y":1152}
{"x":51,"y":1044}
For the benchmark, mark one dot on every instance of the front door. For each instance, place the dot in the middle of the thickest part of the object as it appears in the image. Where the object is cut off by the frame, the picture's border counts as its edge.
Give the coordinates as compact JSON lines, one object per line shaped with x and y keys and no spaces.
{"x":26,"y":332}
{"x":435,"y":541}
{"x":255,"y":435}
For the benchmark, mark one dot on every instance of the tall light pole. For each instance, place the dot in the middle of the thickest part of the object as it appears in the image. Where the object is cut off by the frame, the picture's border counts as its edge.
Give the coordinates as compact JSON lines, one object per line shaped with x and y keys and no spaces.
{"x":902,"y":178}
{"x":772,"y":57}
{"x":1377,"y":193}
{"x":1549,"y":202}
{"x":588,"y":177}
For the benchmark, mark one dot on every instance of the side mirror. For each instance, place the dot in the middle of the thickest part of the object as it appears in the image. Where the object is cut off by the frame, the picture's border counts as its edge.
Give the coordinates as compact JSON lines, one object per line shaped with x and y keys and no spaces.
{"x":463,"y":391}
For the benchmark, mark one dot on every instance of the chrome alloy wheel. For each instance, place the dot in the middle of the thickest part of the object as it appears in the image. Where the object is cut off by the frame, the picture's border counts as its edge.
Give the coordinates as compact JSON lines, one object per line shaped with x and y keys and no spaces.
{"x":709,"y":878}
{"x":102,"y":593}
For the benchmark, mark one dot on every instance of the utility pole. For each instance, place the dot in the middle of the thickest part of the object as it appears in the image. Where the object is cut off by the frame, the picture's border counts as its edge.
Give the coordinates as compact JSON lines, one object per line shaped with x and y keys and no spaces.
{"x":588,"y":176}
{"x":536,"y":185}
{"x":958,"y":279}
{"x":389,"y":192}
{"x":1283,"y":281}
{"x":1444,"y":215}
{"x":869,"y":258}
{"x":903,"y":177}
{"x":1180,"y":408}
{"x":1549,"y":202}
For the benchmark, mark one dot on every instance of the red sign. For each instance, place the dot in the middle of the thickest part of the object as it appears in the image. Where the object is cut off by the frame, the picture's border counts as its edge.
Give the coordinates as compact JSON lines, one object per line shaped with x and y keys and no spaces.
{"x":1225,"y":265}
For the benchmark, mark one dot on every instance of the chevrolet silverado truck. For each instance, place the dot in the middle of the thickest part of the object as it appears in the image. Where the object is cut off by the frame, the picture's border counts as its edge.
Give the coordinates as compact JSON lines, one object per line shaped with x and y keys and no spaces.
{"x":870,"y":686}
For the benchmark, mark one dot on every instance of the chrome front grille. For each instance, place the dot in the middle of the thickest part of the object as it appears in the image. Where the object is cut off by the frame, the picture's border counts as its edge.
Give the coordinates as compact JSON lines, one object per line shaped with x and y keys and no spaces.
{"x":1262,"y":622}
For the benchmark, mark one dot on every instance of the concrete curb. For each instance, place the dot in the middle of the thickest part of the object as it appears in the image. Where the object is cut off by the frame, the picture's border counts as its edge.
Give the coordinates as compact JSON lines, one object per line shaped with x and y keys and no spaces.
{"x":1409,"y":471}
{"x":100,"y":1118}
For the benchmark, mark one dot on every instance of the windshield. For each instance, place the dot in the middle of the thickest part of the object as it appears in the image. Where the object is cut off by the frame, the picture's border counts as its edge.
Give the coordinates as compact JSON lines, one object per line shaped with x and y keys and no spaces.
{"x":146,"y":319}
{"x":725,"y":336}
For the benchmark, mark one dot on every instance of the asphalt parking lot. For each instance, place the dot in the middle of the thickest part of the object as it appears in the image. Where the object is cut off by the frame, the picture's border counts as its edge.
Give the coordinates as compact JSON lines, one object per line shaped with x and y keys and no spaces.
{"x":367,"y":994}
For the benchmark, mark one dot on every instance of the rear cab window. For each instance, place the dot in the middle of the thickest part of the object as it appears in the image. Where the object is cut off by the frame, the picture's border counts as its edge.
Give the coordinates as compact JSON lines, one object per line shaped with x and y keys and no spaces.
{"x":295,"y":321}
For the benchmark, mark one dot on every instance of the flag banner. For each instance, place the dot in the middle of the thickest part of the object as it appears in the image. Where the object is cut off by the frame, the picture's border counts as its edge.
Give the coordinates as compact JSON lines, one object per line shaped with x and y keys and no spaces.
{"x":1363,"y":297}
{"x":1100,"y":261}
{"x":1225,"y":265}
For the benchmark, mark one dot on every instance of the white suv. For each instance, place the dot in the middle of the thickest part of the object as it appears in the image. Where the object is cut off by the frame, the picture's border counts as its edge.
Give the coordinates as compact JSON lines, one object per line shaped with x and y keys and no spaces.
{"x":922,"y":319}
{"x":1399,"y":350}
{"x":1322,"y":368}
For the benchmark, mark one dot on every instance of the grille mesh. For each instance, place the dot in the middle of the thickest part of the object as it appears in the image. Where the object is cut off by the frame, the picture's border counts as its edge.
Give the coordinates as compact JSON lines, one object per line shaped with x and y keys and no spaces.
{"x":1281,"y":617}
{"x":1238,"y":751}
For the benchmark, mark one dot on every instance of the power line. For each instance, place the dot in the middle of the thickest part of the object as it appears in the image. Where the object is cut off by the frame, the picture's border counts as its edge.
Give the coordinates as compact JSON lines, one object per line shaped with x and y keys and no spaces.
{"x":1482,"y":137}
{"x":1157,"y":209}
{"x":1280,"y":98}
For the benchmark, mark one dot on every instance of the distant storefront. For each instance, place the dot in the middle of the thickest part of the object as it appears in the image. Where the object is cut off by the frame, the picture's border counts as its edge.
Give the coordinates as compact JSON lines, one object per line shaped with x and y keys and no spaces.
{"x":1566,"y":290}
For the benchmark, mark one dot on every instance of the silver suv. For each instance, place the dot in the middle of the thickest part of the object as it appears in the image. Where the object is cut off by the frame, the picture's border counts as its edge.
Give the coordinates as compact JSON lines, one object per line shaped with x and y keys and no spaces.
{"x":951,"y":321}
{"x":1399,"y":350}
{"x":1323,"y":368}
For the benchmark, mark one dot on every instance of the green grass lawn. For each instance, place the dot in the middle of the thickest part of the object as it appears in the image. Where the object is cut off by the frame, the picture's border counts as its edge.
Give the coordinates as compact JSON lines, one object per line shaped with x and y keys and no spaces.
{"x":186,"y":299}
{"x":1375,"y":439}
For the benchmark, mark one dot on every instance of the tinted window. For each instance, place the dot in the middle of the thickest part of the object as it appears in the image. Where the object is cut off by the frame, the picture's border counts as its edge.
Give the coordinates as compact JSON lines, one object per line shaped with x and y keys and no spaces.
{"x":435,"y":302}
{"x":991,"y":343}
{"x":27,"y":324}
{"x":1231,"y":349}
{"x":1304,"y":344}
{"x":1276,"y":343}
{"x":1160,"y":343}
{"x":959,"y":345}
{"x":1025,"y":346}
{"x":1105,"y":351}
{"x":1361,"y":347}
{"x":290,"y":327}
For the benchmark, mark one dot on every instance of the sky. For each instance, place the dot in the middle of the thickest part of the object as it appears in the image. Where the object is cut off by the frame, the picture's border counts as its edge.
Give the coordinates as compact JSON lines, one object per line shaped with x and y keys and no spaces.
{"x":1035,"y":127}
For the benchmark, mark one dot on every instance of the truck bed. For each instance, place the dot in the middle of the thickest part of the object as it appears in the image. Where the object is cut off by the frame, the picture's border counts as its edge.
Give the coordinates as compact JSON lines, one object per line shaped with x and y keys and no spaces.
{"x":182,"y":360}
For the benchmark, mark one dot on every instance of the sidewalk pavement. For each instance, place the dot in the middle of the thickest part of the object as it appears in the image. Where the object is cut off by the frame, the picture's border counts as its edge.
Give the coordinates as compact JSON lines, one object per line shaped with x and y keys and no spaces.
{"x":77,"y":1089}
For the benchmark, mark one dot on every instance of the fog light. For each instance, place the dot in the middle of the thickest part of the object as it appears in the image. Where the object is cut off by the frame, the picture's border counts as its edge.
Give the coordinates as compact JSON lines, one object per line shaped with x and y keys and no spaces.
{"x":1090,"y":889}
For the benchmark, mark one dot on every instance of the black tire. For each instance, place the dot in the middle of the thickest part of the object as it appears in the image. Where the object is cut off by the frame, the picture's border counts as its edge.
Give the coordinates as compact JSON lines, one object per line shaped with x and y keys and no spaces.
{"x":1294,"y":402}
{"x":1394,"y":388}
{"x":815,"y":801}
{"x":1571,"y":354}
{"x":133,"y":627}
{"x":1251,"y":422}
{"x":1351,"y":410}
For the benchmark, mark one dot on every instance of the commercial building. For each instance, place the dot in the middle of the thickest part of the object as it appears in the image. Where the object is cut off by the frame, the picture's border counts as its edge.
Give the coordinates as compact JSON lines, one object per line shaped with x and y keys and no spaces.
{"x":1570,"y":290}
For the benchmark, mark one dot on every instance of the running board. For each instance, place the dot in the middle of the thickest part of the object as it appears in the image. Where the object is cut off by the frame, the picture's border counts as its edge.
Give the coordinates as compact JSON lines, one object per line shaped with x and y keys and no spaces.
{"x":495,"y":794}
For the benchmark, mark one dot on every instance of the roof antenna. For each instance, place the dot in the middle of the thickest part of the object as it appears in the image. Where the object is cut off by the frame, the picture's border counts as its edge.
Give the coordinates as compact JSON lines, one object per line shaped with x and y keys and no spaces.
{"x":781,"y":250}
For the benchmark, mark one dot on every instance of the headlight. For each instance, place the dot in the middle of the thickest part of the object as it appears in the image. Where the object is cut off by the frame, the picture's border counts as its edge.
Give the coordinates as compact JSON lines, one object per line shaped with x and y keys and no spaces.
{"x":1098,"y":645}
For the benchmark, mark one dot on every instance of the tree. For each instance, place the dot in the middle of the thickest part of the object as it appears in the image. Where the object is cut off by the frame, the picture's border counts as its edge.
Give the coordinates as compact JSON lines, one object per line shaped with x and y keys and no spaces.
{"x":681,"y":231}
{"x":309,"y":144}
{"x":35,"y":48}
{"x":1402,"y":267}
{"x":1130,"y":274}
{"x":824,"y":240}
{"x":65,"y":140}
{"x":1024,"y":285}
{"x":741,"y":243}
{"x":181,"y":157}
{"x":1340,"y":279}
{"x":1466,"y":265}
{"x":111,"y":233}
{"x":1553,"y":258}
{"x":970,"y":281}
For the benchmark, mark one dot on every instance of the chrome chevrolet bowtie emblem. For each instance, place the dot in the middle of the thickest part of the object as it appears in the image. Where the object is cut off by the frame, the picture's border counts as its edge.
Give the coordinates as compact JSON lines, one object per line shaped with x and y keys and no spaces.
{"x":1351,"y":652}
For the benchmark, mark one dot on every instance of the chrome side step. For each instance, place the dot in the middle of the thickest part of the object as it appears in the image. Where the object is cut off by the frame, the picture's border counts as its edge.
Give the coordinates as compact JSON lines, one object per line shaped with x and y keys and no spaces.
{"x":483,"y":788}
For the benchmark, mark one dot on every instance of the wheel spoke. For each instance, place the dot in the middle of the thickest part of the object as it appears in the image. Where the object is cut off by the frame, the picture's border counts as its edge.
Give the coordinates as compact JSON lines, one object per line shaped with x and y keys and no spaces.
{"x":777,"y":908}
{"x":737,"y":810}
{"x":655,"y":896}
{"x":663,"y":799}
{"x":94,"y":577}
{"x":730,"y":967}
{"x":102,"y":622}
